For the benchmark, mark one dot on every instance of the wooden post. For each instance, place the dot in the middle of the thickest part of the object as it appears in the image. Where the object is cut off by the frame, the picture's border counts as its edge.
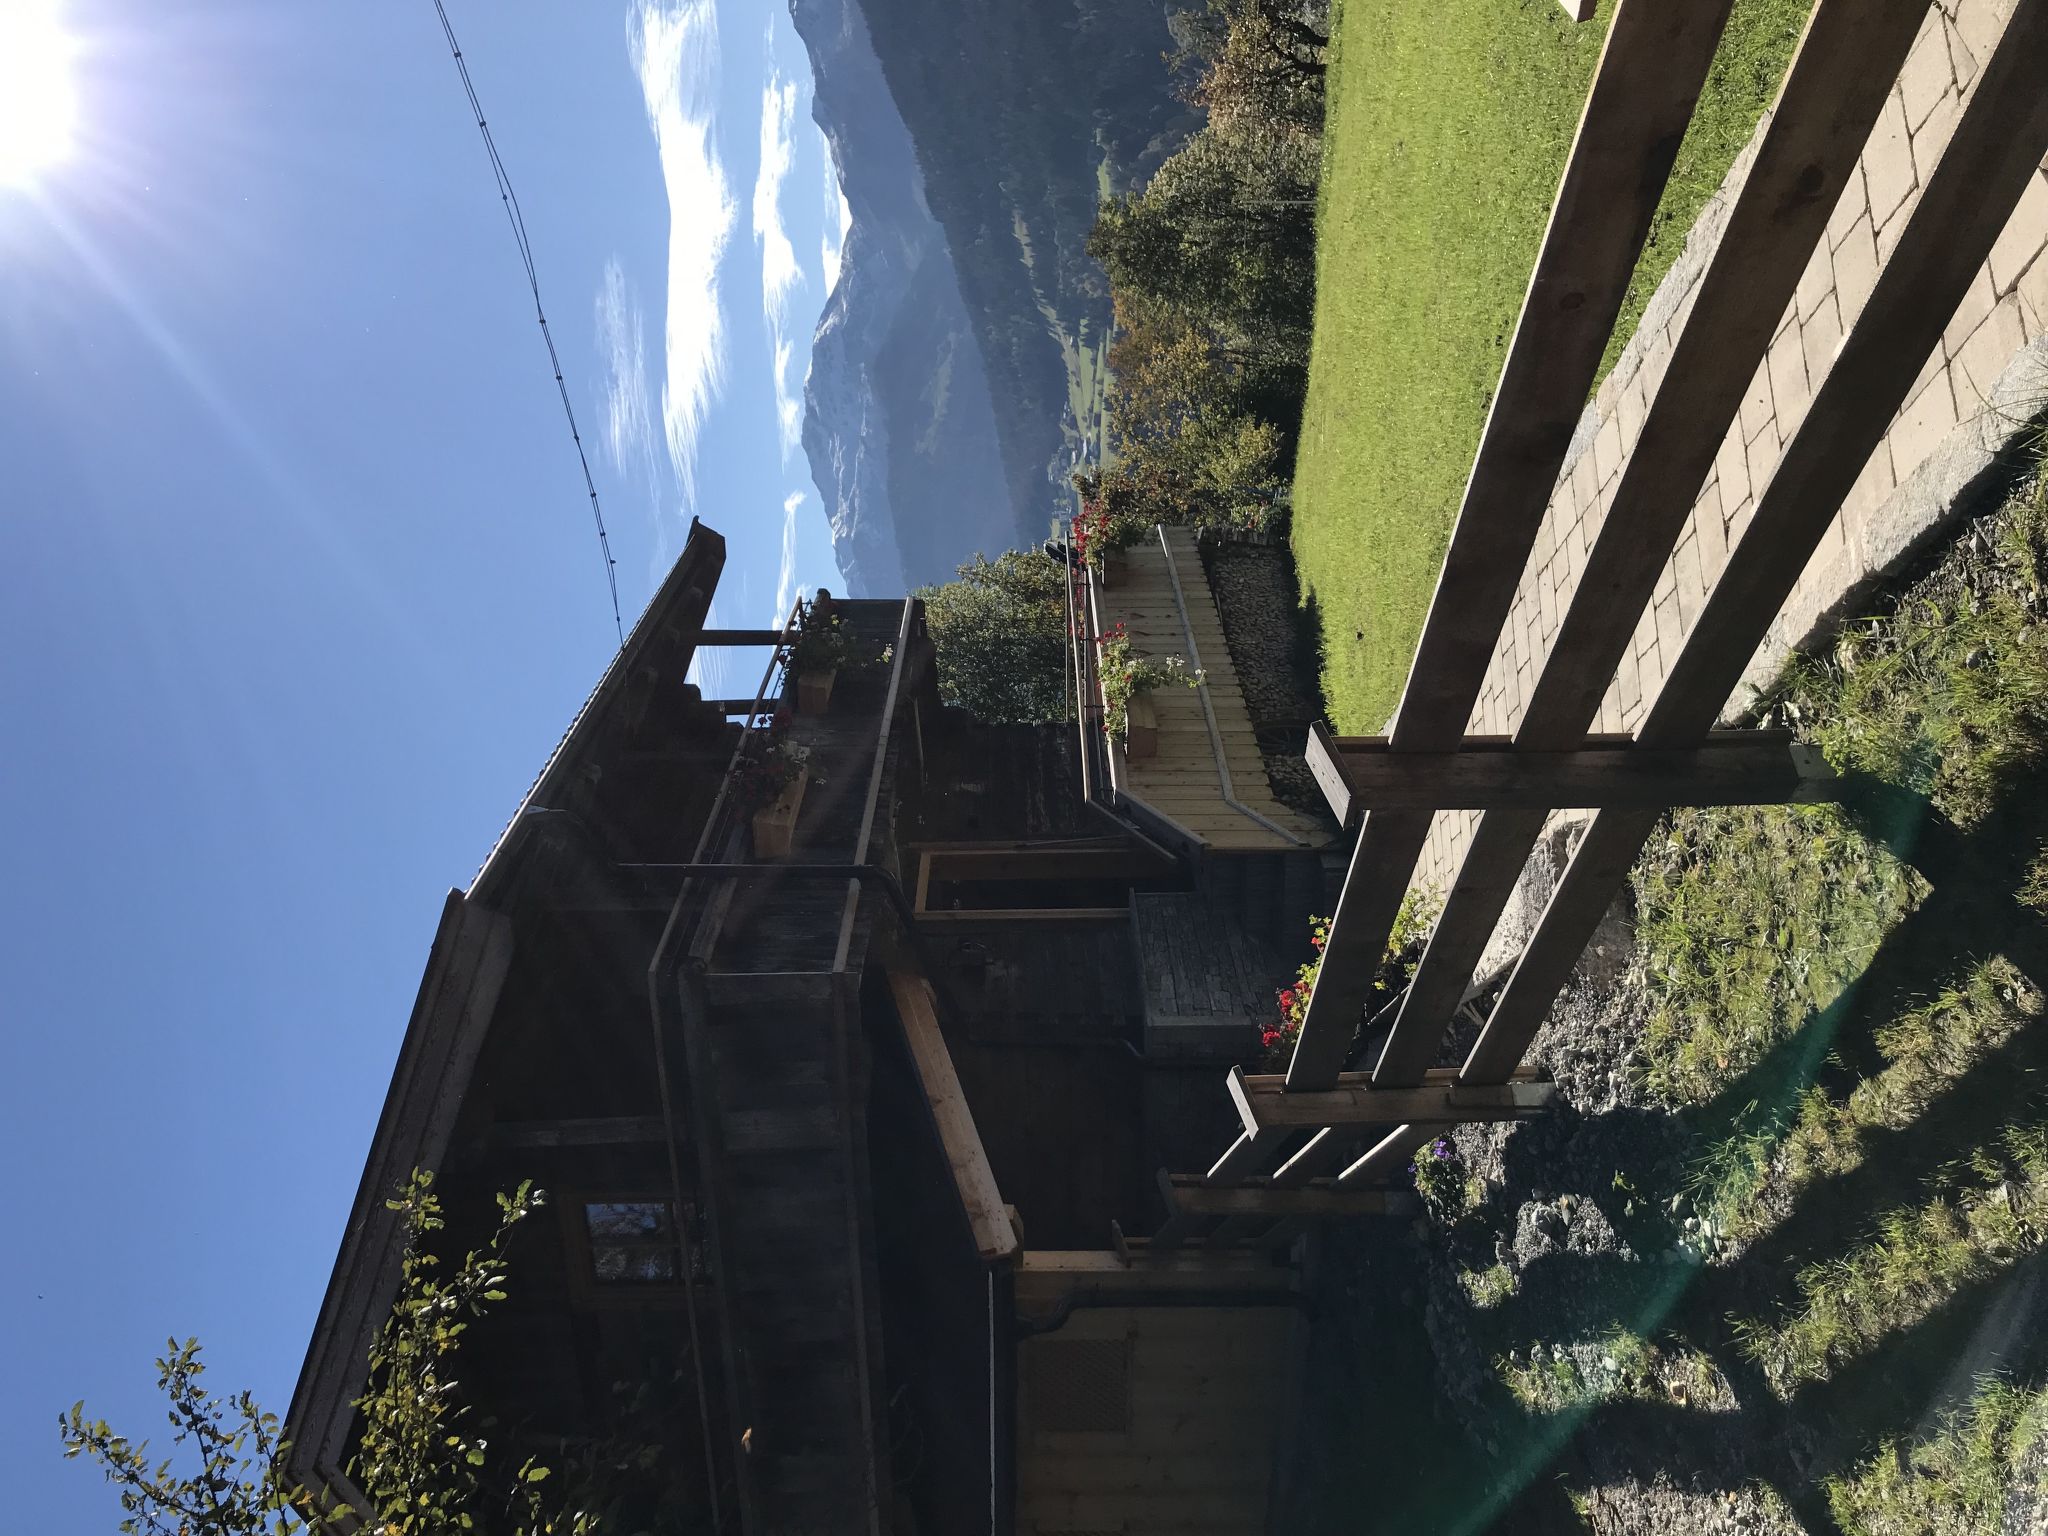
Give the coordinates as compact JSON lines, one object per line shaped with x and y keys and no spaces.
{"x":995,"y":1233}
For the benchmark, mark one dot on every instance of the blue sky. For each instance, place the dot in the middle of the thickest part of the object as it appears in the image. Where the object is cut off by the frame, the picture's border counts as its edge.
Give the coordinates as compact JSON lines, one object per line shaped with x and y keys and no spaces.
{"x":298,"y":586}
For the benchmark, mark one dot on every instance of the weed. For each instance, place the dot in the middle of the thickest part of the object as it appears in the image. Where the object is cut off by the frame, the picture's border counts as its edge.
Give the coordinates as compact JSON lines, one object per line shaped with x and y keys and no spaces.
{"x":1926,"y":1049}
{"x":1449,"y":1191}
{"x":1487,"y":1288}
{"x":1581,"y":1374}
{"x":2033,"y":886}
{"x":1749,"y":922}
{"x":1920,"y":1258}
{"x":1948,"y":693}
{"x":1956,"y":1481}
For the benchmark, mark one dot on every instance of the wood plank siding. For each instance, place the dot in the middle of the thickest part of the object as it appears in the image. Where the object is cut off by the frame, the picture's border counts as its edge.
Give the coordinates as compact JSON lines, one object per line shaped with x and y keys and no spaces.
{"x":1150,"y":1421}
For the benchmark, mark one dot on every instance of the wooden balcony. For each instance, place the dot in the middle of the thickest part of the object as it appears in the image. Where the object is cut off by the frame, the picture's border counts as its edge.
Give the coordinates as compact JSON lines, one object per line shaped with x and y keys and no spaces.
{"x":1206,"y":781}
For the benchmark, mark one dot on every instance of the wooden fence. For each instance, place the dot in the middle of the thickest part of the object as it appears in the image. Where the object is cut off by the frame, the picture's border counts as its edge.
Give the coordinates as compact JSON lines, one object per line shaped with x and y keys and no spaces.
{"x":1325,"y":1129}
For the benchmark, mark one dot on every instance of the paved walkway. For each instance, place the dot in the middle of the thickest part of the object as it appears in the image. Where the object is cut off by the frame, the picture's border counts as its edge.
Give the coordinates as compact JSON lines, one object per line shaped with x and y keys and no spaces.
{"x":1958,"y":399}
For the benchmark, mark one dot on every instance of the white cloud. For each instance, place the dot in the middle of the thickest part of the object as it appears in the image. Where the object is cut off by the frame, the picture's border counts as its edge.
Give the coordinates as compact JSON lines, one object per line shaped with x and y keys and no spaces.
{"x":778,"y":257}
{"x":786,"y":589}
{"x":779,"y":271}
{"x":674,"y":47}
{"x":628,"y":411}
{"x":838,"y":219}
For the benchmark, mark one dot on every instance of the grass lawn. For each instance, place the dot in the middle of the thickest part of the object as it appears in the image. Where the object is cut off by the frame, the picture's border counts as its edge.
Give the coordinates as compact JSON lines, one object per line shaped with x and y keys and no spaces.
{"x":1448,"y":129}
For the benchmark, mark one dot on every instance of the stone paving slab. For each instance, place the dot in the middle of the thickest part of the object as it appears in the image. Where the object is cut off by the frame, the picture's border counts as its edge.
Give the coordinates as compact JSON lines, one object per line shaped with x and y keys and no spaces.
{"x":1986,"y":377}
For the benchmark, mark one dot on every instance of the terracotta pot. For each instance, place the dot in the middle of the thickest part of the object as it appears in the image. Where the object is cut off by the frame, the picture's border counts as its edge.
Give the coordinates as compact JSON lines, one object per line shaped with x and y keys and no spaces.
{"x":775,"y":824}
{"x":1141,"y":735}
{"x":814,"y":691}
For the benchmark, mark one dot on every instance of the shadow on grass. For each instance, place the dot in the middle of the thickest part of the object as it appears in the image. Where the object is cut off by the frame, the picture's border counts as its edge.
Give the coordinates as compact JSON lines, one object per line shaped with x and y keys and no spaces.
{"x":1507,"y":1469}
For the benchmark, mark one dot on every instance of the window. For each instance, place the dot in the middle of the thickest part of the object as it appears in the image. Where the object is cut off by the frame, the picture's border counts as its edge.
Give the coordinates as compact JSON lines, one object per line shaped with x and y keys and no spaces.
{"x":632,"y":1242}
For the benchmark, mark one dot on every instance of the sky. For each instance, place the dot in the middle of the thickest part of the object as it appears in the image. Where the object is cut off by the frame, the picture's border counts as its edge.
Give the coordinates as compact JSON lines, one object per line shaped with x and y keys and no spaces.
{"x":299,"y":584}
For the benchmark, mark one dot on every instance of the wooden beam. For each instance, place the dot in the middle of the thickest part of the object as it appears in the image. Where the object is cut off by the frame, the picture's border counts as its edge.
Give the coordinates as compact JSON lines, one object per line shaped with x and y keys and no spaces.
{"x":1006,"y":861}
{"x":1834,"y":91}
{"x":1181,"y":1228}
{"x":994,"y":1237}
{"x":1997,"y":147}
{"x":1654,"y":60}
{"x":742,"y":637}
{"x":1189,"y":1193}
{"x":1264,"y":1104}
{"x":1045,"y":1277}
{"x":1730,"y":768}
{"x":1389,"y":1155}
{"x":1096,"y":1266}
{"x":631,"y":1130}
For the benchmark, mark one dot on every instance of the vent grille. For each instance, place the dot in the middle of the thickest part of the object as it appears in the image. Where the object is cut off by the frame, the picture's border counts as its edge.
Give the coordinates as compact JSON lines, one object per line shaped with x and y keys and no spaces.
{"x":1080,"y":1386}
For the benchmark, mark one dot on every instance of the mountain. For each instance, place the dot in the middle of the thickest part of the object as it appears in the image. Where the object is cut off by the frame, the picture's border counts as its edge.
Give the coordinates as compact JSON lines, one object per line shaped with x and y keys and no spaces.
{"x":957,"y":371}
{"x":898,"y":424}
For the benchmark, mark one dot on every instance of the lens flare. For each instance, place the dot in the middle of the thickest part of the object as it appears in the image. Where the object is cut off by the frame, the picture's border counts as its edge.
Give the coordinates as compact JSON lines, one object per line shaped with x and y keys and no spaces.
{"x":38,"y":103}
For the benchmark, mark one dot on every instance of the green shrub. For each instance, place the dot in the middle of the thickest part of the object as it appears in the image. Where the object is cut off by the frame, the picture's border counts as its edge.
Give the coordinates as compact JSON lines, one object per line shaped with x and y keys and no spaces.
{"x":1001,"y":636}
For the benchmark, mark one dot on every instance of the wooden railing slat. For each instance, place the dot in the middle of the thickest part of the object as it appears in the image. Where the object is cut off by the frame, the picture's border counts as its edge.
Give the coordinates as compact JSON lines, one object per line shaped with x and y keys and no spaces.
{"x":1652,"y":67}
{"x":1834,"y":90}
{"x":1997,"y":145}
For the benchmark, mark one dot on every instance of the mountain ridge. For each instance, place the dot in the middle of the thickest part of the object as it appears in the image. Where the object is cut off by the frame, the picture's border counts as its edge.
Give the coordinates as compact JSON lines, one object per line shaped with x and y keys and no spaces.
{"x":957,"y":370}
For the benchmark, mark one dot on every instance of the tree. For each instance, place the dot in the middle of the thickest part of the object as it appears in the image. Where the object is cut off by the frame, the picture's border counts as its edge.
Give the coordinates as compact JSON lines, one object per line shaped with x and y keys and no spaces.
{"x":422,"y":1467}
{"x":1223,"y":235}
{"x":1000,"y":631}
{"x":1260,"y":60}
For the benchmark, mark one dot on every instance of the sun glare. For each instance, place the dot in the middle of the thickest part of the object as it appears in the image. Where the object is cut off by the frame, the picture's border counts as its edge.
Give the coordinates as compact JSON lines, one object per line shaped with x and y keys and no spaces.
{"x":37,"y":104}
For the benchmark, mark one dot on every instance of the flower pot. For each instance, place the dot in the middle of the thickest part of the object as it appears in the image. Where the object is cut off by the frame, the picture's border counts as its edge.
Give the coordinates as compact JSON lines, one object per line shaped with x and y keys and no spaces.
{"x":1116,"y":565}
{"x":814,"y":691}
{"x":775,"y":823}
{"x":1141,"y":728}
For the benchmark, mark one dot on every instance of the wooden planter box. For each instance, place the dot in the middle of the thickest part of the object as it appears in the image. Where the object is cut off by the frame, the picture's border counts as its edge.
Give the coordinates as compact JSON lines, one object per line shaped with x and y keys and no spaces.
{"x":1141,"y":737}
{"x":814,"y":691}
{"x":775,"y":824}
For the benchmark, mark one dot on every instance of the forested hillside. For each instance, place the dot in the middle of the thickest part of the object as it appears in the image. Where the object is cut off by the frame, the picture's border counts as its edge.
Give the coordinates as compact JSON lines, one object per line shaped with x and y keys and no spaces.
{"x":1023,"y":116}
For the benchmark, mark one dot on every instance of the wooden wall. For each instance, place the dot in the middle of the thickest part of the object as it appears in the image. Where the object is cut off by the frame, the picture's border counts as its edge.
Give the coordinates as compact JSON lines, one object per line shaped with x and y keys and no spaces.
{"x":1194,"y":1453}
{"x":1041,"y":1020}
{"x":989,"y":782}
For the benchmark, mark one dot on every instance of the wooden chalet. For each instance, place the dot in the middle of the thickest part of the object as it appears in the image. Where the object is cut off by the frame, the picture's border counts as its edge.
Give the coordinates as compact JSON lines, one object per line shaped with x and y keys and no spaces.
{"x":841,"y":1143}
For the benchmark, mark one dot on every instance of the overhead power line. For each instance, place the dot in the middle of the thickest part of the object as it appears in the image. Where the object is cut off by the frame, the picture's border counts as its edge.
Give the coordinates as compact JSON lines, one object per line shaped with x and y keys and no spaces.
{"x":518,"y":222}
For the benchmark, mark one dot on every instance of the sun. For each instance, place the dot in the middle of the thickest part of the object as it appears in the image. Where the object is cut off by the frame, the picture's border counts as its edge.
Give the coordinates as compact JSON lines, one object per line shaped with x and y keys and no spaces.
{"x":38,"y":105}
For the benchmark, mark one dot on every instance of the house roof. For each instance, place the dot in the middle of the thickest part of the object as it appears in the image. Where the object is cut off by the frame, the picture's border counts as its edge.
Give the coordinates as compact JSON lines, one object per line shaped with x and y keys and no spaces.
{"x":466,"y":967}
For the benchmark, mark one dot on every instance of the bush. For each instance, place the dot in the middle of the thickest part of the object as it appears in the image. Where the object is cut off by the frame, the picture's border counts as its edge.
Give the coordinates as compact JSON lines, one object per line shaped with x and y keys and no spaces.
{"x":1001,"y":636}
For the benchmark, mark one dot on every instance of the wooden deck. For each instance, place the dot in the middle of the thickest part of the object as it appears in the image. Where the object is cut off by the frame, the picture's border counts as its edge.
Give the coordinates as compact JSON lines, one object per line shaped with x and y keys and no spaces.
{"x":1182,"y":782}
